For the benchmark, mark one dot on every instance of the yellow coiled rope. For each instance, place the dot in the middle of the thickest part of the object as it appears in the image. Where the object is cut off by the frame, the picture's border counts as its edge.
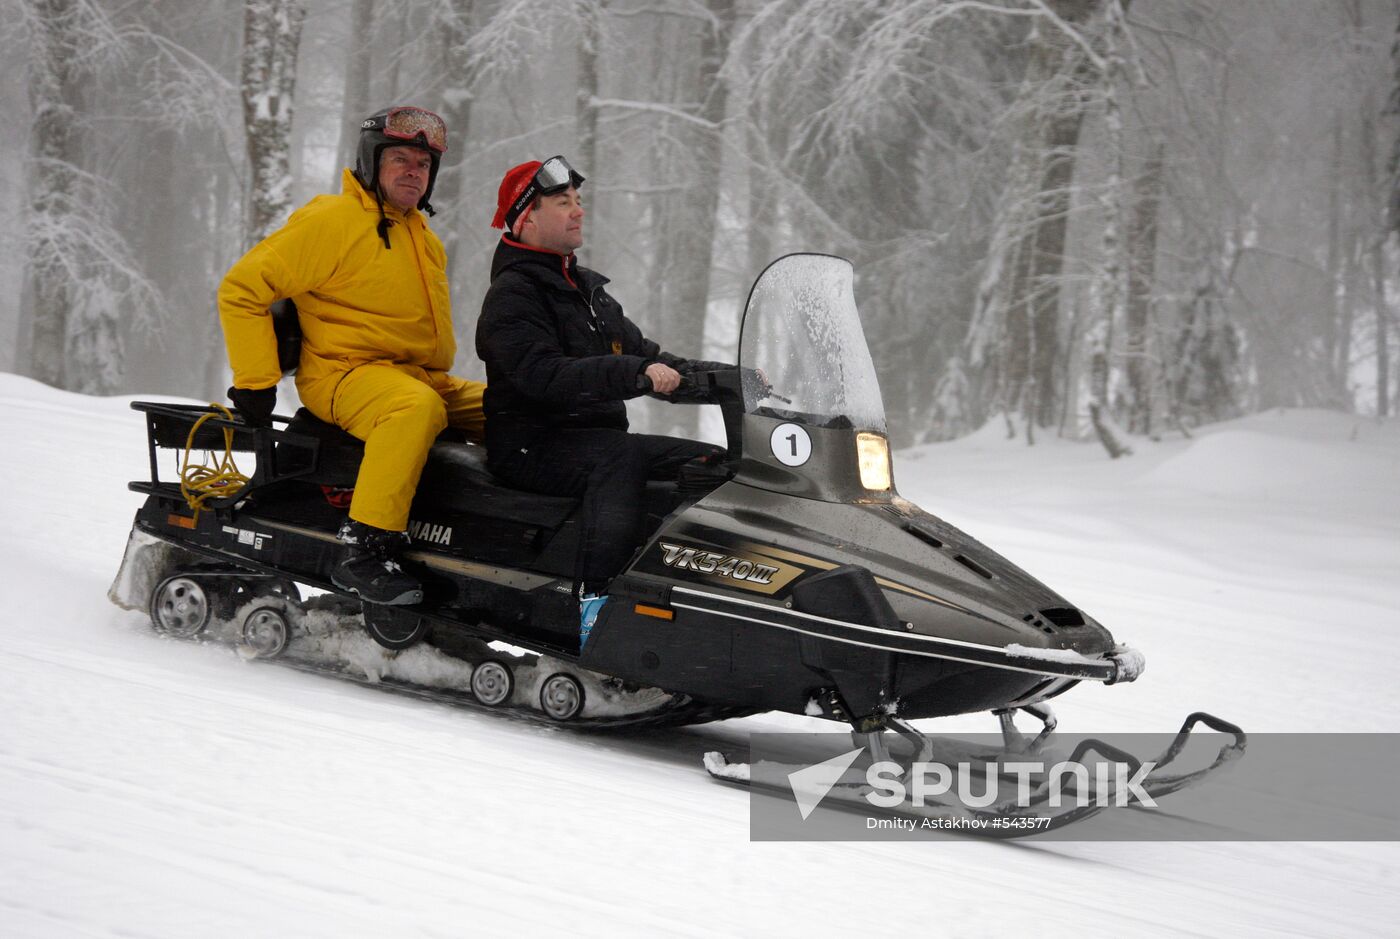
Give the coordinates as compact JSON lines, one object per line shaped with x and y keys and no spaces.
{"x":200,"y":483}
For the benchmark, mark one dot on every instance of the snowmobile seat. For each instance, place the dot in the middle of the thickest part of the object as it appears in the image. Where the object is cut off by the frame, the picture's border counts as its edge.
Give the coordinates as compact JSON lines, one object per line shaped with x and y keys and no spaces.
{"x":455,"y":477}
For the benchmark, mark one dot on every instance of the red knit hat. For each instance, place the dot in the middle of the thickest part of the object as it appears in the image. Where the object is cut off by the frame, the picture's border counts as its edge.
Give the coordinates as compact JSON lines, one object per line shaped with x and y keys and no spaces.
{"x":513,"y":184}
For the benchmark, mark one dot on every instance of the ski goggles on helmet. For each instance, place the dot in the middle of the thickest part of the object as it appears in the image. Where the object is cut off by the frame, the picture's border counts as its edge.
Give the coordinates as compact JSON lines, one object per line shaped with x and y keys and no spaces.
{"x":554,"y":175}
{"x":410,"y":124}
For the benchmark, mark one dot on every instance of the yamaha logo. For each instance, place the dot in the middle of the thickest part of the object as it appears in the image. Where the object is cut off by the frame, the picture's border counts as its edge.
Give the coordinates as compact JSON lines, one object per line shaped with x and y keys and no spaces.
{"x":426,"y":531}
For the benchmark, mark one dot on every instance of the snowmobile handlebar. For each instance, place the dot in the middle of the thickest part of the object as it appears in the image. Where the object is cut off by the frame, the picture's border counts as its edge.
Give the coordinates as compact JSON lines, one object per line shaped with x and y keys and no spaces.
{"x":726,"y":387}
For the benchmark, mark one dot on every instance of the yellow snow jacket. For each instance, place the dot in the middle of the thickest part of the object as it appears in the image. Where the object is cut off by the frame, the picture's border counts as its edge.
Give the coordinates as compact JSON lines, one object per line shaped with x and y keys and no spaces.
{"x":358,"y":301}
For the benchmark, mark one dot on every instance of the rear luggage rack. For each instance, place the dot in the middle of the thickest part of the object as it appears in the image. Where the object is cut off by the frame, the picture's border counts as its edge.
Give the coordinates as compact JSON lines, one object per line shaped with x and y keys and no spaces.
{"x":280,"y":455}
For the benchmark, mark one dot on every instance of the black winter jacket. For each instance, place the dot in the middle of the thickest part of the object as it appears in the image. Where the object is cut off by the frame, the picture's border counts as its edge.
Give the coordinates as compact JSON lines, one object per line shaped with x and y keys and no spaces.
{"x":558,"y":350}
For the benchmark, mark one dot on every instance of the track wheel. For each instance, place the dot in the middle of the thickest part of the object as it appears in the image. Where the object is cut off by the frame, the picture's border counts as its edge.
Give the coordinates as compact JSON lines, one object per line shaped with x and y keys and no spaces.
{"x":266,"y":631}
{"x":561,"y":696}
{"x":492,"y":683}
{"x":288,"y":590}
{"x":393,"y":628}
{"x":180,"y":607}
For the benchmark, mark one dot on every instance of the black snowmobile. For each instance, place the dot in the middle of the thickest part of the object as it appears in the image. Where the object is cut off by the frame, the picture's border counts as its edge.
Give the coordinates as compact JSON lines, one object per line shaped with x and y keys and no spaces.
{"x":791,"y":577}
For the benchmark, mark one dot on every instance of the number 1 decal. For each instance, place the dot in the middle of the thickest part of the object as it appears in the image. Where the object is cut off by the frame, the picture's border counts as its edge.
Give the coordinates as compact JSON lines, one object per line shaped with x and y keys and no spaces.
{"x":790,"y":444}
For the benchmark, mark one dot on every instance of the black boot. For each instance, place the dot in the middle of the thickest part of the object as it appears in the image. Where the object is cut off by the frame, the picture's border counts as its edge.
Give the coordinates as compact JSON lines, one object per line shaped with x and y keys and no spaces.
{"x":370,"y":566}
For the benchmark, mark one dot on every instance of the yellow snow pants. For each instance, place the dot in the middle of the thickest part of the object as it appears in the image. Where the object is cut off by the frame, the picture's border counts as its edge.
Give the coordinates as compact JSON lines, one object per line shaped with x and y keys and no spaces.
{"x":398,"y":411}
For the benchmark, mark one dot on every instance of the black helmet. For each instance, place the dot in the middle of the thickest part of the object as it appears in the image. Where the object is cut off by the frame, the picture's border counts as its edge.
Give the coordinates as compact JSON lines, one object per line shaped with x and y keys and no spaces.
{"x":400,"y":127}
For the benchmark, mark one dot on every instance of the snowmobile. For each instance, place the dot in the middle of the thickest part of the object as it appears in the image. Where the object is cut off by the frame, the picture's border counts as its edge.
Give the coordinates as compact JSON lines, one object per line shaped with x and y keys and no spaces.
{"x":789,"y":577}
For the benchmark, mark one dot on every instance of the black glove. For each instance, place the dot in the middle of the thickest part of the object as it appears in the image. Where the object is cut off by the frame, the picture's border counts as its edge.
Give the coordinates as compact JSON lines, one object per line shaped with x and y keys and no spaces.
{"x":756,"y":383}
{"x":254,"y":404}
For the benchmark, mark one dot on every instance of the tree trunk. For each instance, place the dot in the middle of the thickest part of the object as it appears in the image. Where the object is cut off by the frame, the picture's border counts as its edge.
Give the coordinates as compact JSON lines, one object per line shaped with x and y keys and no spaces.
{"x":1331,"y":338}
{"x":216,"y":367}
{"x":48,"y":298}
{"x":1382,"y":328}
{"x":763,"y":207}
{"x":271,"y":35}
{"x":1379,"y":179}
{"x":692,"y":231}
{"x":385,"y":82}
{"x":1108,"y":295}
{"x":457,"y":70}
{"x":1392,"y":109}
{"x":1208,"y":347}
{"x":1108,"y":432}
{"x":1047,"y":257}
{"x":1142,"y":253}
{"x":586,"y":95}
{"x":1035,"y":215}
{"x":355,"y":105}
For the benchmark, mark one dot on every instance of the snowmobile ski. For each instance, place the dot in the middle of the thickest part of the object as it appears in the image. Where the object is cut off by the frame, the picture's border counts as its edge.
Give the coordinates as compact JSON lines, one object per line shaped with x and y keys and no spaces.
{"x":853,"y":782}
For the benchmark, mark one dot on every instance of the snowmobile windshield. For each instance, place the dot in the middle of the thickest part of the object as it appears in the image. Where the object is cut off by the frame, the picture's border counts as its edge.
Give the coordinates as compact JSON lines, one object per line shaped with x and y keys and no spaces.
{"x":801,"y":330}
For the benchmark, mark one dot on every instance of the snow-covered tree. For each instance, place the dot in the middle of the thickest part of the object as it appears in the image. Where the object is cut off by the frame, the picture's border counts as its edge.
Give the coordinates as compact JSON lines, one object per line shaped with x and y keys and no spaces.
{"x":55,"y":45}
{"x":271,"y":37}
{"x":683,"y":261}
{"x":455,"y":24}
{"x":1205,"y":373}
{"x":83,"y":288}
{"x":355,"y":102}
{"x":1021,"y":313}
{"x":1175,"y":210}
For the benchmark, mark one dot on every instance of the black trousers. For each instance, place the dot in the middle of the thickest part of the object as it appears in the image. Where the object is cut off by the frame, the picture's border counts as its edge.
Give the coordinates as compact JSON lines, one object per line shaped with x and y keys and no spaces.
{"x":608,"y":470}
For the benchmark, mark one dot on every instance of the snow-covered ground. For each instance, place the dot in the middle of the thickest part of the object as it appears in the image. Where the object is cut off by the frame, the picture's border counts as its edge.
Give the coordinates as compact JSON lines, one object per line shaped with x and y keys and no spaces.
{"x":151,"y":787}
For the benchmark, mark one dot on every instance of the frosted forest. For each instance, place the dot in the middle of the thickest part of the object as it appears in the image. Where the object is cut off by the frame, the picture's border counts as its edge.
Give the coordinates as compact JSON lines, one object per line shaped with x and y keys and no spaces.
{"x":1074,"y":218}
{"x":1078,"y":228}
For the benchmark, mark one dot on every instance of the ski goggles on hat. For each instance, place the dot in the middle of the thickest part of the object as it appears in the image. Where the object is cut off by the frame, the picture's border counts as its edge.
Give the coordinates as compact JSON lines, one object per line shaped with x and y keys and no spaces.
{"x":410,"y":124}
{"x":554,"y":175}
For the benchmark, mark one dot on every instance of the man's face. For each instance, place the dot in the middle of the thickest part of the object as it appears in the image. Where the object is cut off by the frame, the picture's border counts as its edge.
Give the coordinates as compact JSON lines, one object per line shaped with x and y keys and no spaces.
{"x":403,"y":175}
{"x":556,"y":224}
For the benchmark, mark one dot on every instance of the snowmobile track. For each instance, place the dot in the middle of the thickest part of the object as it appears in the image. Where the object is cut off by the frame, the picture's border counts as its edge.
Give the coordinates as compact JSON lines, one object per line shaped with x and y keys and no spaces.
{"x":680,"y":711}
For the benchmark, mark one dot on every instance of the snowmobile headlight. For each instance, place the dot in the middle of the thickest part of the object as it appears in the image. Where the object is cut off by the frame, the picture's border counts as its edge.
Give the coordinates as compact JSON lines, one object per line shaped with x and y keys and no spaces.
{"x":873,"y":455}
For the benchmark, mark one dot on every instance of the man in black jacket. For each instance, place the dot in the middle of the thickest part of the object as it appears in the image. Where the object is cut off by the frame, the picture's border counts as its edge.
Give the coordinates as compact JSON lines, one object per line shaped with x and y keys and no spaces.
{"x":561,"y":358}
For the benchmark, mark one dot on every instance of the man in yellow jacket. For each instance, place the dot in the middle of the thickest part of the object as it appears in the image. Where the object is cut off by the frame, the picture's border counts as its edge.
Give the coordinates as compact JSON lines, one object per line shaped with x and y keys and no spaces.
{"x":369,"y":280}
